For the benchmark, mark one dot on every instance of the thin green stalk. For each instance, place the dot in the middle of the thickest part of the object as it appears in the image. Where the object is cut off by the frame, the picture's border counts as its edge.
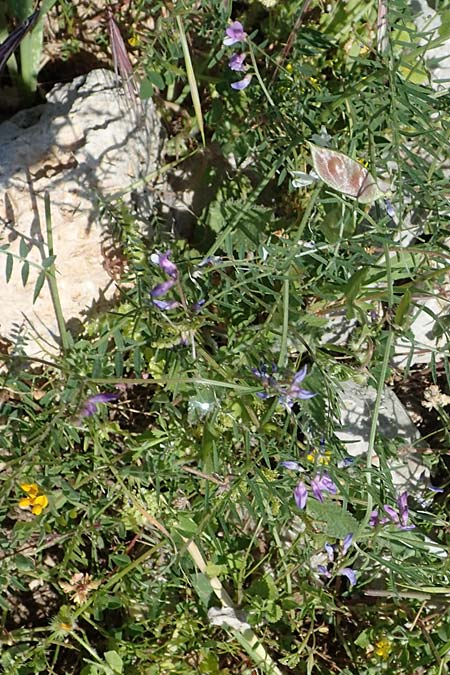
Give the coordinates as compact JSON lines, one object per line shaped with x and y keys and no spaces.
{"x":51,"y":277}
{"x":374,"y":425}
{"x":258,"y":76}
{"x":285,"y":328}
{"x":191,"y":79}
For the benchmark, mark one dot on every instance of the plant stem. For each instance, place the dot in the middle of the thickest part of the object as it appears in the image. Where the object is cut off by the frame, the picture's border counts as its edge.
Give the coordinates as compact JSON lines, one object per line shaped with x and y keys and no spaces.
{"x":51,"y":277}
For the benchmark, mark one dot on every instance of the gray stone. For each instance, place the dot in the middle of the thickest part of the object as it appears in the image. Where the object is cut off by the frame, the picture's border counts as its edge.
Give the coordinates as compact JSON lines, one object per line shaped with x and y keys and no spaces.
{"x":86,"y":144}
{"x":357,"y":407}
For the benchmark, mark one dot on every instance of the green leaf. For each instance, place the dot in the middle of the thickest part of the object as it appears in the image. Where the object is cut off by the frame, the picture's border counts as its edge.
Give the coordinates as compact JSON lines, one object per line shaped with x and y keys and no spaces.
{"x":38,"y":285}
{"x":156,"y":79}
{"x":9,"y":266}
{"x":402,"y":308}
{"x":146,"y":89}
{"x":338,"y":523}
{"x":25,"y":272}
{"x":120,"y":559}
{"x":114,"y":661}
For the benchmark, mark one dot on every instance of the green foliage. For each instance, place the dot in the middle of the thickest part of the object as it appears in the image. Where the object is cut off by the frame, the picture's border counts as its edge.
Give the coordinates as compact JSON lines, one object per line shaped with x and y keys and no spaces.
{"x":171,"y":500}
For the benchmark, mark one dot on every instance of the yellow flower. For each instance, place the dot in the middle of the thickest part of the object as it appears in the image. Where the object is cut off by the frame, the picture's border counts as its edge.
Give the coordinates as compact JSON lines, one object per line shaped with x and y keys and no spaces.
{"x":321,"y":457}
{"x":134,"y":41}
{"x":289,"y":67}
{"x":383,"y":648}
{"x":35,"y":500}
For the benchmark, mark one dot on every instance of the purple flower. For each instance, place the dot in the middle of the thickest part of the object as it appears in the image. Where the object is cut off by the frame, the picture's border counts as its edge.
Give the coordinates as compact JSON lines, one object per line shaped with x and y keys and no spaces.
{"x":241,"y":84}
{"x":322,"y":483}
{"x":236,"y":63}
{"x":234,"y":33}
{"x":349,"y":573}
{"x":166,"y":304}
{"x":162,"y":288}
{"x":330,"y":551}
{"x":347,"y":542}
{"x":91,"y":404}
{"x":292,"y":466}
{"x":323,"y":571}
{"x":167,"y":266}
{"x":400,"y":519}
{"x":300,"y":495}
{"x":402,"y":503}
{"x":294,"y":390}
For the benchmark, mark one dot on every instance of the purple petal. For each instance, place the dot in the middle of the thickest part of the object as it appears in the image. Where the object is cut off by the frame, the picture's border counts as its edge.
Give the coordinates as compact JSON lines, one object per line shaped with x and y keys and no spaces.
{"x":167,"y":265}
{"x":330,"y":551}
{"x":234,"y":33}
{"x":325,"y":483}
{"x":300,"y":375}
{"x":374,"y":518}
{"x":292,"y":466}
{"x":166,"y":304}
{"x":392,"y":513}
{"x":315,"y":487}
{"x":323,"y":570}
{"x":303,"y":394}
{"x":241,"y":84}
{"x":300,"y":495}
{"x":402,"y":503}
{"x":90,"y":405}
{"x":349,"y":573}
{"x":236,"y":62}
{"x":348,"y":539}
{"x":162,"y":288}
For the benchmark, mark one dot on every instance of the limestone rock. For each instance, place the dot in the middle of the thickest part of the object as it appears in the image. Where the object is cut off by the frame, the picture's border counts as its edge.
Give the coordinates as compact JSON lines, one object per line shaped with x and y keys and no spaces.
{"x":357,"y":404}
{"x":85,"y":143}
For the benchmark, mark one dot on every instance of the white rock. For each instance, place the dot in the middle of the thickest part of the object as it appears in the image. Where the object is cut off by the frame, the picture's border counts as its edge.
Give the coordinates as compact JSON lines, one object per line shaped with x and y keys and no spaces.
{"x":357,"y":407}
{"x":86,"y":142}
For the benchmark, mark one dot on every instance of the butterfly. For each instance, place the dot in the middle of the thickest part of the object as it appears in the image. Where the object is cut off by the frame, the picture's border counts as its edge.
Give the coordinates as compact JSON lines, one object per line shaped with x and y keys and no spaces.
{"x":344,"y":174}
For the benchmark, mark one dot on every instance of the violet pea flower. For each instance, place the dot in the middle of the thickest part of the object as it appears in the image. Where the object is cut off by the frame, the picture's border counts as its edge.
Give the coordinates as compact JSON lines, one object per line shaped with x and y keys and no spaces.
{"x":166,"y":304}
{"x":234,"y":33}
{"x":162,"y":288}
{"x":322,"y":483}
{"x":349,"y":573}
{"x":90,"y":406}
{"x":291,"y":465}
{"x":236,"y":63}
{"x":241,"y":84}
{"x":300,"y":495}
{"x":163,"y":262}
{"x":347,"y":542}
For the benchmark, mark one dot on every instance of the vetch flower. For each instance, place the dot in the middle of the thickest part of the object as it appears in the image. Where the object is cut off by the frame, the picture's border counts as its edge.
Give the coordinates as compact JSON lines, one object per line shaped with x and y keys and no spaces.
{"x":236,"y":62}
{"x":166,"y":304}
{"x":300,"y":495}
{"x":79,"y":586}
{"x":292,"y":466}
{"x":346,"y":543}
{"x":162,"y":288}
{"x":167,"y":266}
{"x":322,"y":483}
{"x":330,"y":551}
{"x":294,"y":391}
{"x":90,"y":406}
{"x":241,"y":84}
{"x":399,"y":518}
{"x":234,"y":33}
{"x":349,"y":573}
{"x":35,"y":499}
